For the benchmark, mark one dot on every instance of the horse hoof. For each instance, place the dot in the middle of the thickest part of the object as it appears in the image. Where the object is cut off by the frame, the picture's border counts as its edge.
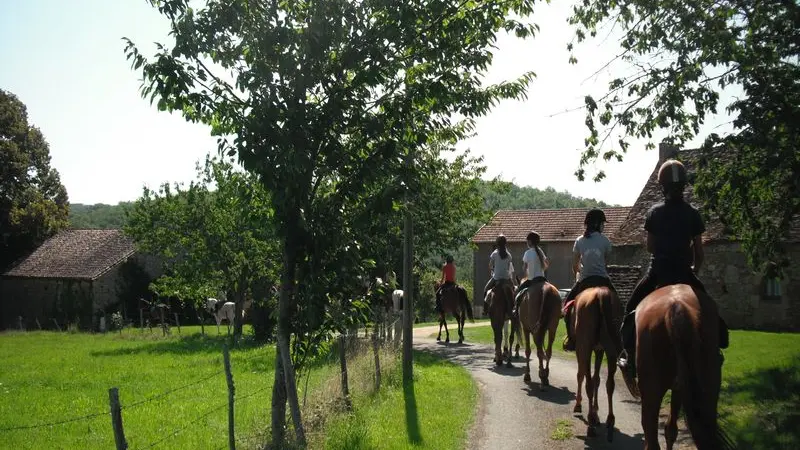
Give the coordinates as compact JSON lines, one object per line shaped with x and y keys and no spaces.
{"x":447,"y":341}
{"x":527,"y":378}
{"x":577,"y":409}
{"x":590,"y":432}
{"x":499,"y":363}
{"x":438,"y":338}
{"x":460,"y":341}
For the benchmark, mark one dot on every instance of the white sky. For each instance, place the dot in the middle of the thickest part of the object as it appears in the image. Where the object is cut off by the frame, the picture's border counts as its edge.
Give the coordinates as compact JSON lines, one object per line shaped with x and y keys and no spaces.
{"x":65,"y":61}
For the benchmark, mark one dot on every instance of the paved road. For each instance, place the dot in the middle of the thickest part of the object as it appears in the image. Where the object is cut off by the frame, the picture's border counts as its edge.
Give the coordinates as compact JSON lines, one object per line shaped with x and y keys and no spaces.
{"x":513,"y":414}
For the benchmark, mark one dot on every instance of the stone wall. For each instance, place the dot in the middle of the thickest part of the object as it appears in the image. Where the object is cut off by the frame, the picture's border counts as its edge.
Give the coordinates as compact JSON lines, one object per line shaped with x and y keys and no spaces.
{"x":44,"y":300}
{"x":737,"y":289}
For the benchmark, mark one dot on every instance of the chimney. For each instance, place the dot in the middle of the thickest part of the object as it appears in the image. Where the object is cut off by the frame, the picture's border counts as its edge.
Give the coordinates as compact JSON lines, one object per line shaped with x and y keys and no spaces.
{"x":666,"y":151}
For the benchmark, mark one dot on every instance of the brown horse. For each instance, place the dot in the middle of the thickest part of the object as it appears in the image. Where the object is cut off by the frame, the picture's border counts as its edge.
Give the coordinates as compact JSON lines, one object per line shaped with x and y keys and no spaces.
{"x":539,"y":313}
{"x":595,"y":326}
{"x":498,"y":302}
{"x":458,"y":305}
{"x":677,"y":335}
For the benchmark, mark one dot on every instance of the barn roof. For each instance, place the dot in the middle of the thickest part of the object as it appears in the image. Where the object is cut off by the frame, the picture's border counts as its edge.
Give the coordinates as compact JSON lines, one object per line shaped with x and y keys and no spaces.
{"x":624,"y":279}
{"x":632,"y":232}
{"x":551,"y":224}
{"x":76,"y":254}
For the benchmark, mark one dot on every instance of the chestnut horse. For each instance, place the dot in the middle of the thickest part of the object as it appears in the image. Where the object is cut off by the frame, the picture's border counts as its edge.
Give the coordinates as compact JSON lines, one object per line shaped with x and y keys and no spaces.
{"x":539,"y":313}
{"x":498,"y":301}
{"x":677,"y":335}
{"x":454,"y":303}
{"x":595,"y":326}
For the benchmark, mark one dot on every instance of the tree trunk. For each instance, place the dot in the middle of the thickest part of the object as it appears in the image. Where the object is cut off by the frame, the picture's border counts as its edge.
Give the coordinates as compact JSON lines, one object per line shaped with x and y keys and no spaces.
{"x":343,"y":366}
{"x":278,"y":404}
{"x":287,"y":290}
{"x":408,"y":297}
{"x":237,"y":315}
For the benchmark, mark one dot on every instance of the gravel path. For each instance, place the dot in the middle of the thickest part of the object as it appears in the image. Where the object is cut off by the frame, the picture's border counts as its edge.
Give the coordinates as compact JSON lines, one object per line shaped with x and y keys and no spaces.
{"x":513,"y":414}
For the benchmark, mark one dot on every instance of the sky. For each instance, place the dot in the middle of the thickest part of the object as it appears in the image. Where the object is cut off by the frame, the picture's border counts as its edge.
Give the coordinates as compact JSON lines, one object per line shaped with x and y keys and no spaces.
{"x":65,"y":61}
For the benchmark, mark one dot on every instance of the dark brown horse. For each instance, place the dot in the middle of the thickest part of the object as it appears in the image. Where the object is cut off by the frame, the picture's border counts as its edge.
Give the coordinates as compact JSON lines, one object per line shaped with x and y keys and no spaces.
{"x":677,"y":332}
{"x":498,"y":302}
{"x":453,"y":302}
{"x":595,"y":326}
{"x":539,"y":313}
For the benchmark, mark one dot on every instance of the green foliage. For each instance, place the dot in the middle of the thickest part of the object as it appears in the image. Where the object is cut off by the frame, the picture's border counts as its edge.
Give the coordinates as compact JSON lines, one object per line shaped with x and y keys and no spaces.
{"x":685,"y":53}
{"x":214,"y":241}
{"x":33,"y":202}
{"x":97,"y":216}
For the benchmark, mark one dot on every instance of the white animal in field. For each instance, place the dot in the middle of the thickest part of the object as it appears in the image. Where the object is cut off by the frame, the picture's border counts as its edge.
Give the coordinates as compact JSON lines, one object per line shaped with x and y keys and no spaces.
{"x":225,"y":311}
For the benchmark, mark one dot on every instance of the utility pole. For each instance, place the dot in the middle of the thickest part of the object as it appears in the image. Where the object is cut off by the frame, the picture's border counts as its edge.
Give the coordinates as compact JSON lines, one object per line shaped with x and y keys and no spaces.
{"x":408,"y":284}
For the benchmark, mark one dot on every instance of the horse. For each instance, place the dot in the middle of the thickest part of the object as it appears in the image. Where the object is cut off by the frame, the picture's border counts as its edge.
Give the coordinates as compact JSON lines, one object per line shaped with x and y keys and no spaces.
{"x":455,"y":302}
{"x":156,"y":313}
{"x":222,"y":311}
{"x":539,"y":313}
{"x":677,"y":335}
{"x":499,"y":300}
{"x":595,"y":326}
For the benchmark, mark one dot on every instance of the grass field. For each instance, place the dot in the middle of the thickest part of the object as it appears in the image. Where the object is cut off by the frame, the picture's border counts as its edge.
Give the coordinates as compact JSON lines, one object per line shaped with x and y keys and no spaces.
{"x":49,"y":377}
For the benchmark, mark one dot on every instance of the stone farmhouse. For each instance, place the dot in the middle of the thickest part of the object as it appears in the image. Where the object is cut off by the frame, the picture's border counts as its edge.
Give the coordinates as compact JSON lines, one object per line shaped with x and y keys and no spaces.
{"x":71,"y":277}
{"x":747,"y":299}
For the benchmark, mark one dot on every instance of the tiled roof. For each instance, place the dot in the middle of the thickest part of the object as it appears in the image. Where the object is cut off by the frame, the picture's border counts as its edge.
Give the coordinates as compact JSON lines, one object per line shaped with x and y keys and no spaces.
{"x":624,"y":279}
{"x":632,"y":230}
{"x":76,"y":254}
{"x":551,"y":224}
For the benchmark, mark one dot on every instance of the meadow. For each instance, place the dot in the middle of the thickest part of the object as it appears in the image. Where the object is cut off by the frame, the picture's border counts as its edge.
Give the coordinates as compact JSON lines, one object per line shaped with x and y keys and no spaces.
{"x":174,"y":394}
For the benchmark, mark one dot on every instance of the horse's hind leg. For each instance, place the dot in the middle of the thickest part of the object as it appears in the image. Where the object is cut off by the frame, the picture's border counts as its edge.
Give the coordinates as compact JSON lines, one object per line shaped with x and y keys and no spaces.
{"x":460,"y":319}
{"x":527,"y":334}
{"x":594,"y":417}
{"x":611,"y":362}
{"x":446,"y":331}
{"x":671,"y":428}
{"x":584,"y":357}
{"x":441,"y":321}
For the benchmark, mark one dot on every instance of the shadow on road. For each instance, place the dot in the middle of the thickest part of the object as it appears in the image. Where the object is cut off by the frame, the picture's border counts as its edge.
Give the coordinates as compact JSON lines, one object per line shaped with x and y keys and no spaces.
{"x":621,"y":440}
{"x":552,"y":394}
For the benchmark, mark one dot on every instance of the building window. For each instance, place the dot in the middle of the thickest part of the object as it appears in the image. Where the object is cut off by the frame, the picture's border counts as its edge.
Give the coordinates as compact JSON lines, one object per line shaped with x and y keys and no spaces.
{"x":772,"y":290}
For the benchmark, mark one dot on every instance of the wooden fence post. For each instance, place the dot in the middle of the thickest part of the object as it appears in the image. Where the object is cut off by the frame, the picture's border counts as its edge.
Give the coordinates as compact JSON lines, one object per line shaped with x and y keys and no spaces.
{"x":58,"y":327}
{"x":229,"y":377}
{"x":177,"y":323}
{"x":116,"y":419}
{"x":141,"y":320}
{"x":19,"y":321}
{"x":38,"y":324}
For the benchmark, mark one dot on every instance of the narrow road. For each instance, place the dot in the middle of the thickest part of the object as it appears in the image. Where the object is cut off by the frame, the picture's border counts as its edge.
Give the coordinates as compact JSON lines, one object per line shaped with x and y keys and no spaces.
{"x":512,"y":414}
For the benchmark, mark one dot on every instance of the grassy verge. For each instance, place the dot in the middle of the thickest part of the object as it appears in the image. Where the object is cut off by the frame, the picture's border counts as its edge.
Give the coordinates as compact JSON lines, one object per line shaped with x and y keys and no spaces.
{"x":761,"y":389}
{"x":48,"y":377}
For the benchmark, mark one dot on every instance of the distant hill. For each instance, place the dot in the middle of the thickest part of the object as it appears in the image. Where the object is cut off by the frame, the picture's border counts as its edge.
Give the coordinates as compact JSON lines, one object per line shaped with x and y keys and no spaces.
{"x":97,"y":216}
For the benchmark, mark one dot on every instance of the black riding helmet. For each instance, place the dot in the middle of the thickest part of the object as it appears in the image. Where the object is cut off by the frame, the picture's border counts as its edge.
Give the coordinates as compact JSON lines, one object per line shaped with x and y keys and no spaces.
{"x":595,"y":216}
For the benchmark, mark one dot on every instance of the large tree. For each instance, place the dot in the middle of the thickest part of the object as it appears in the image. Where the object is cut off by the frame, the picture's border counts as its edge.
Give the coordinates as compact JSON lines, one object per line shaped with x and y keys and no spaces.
{"x":216,"y":235}
{"x":33,"y":202}
{"x":326,"y":100}
{"x":684,"y":53}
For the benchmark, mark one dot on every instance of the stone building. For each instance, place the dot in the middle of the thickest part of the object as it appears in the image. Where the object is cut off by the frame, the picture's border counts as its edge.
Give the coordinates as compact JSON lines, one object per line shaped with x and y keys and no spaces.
{"x":747,"y":299}
{"x":71,"y":278}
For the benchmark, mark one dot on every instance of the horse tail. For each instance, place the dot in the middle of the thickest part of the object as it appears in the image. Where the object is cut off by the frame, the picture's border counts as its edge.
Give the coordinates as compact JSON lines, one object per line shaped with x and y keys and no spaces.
{"x":607,"y":317}
{"x":466,"y":304}
{"x":540,"y":328}
{"x":701,"y":417}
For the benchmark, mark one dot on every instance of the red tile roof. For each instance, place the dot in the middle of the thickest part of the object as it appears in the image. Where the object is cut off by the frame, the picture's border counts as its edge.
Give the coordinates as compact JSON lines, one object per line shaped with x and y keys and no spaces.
{"x":76,"y":254}
{"x":632,"y":230}
{"x":551,"y":224}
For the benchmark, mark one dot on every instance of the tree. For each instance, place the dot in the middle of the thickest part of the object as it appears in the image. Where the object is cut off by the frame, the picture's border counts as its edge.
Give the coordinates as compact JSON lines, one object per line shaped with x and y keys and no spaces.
{"x":33,"y":202}
{"x":694,"y":50}
{"x":326,"y":99}
{"x":215,"y":241}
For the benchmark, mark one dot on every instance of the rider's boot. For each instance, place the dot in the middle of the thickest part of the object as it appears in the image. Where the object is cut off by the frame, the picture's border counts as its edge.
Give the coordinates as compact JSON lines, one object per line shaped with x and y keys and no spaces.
{"x":569,"y":341}
{"x":627,"y":359}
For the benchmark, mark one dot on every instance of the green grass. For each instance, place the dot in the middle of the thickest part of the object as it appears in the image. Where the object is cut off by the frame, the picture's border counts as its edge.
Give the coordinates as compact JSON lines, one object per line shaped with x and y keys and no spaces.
{"x":47,"y":377}
{"x":562,"y":430}
{"x":761,"y":389}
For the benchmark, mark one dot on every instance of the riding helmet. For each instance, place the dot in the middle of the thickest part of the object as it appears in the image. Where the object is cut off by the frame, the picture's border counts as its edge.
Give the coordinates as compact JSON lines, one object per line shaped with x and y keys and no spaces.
{"x":534,"y":237}
{"x":595,"y":216}
{"x":672,"y":172}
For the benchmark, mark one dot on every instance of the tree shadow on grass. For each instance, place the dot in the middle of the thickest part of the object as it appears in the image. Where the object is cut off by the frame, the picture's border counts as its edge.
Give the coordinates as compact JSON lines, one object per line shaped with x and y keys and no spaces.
{"x":189,"y":344}
{"x":767,"y":407}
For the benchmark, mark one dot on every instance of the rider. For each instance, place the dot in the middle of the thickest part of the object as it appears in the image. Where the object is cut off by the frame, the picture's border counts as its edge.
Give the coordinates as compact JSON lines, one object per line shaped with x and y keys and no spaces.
{"x":448,"y":280}
{"x":674,"y":239}
{"x":534,"y":263}
{"x":590,"y":253}
{"x":500,"y":266}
